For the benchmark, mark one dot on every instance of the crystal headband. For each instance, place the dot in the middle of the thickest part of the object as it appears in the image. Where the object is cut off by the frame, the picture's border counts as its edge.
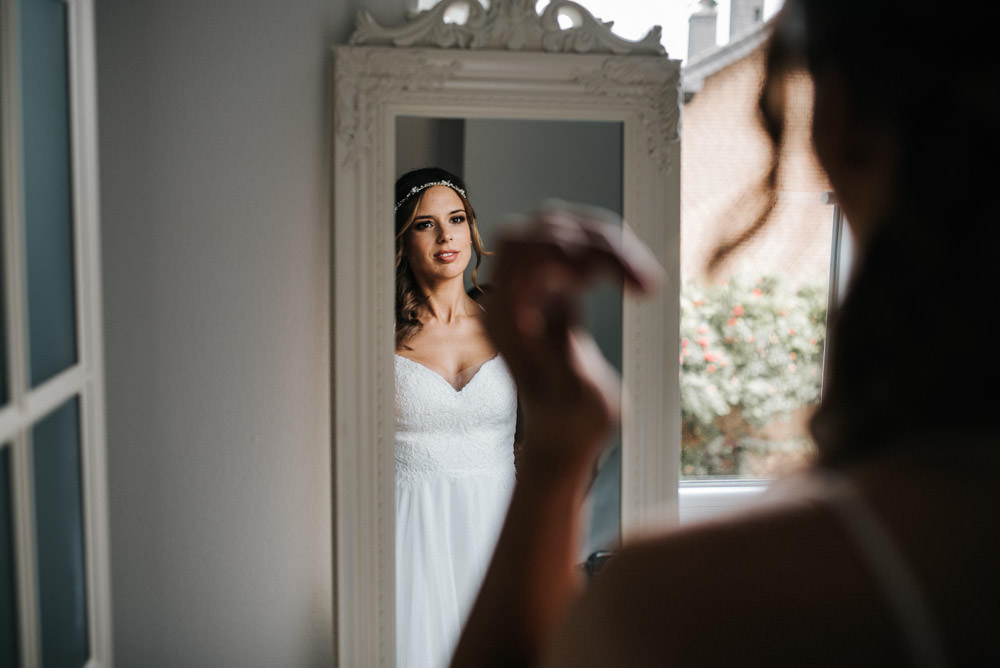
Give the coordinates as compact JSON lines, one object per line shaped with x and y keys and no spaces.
{"x":424,"y":186}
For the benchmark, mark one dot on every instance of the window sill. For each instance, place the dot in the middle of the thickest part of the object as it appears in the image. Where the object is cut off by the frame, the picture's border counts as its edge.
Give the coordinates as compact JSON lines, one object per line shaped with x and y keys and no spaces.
{"x":702,"y":499}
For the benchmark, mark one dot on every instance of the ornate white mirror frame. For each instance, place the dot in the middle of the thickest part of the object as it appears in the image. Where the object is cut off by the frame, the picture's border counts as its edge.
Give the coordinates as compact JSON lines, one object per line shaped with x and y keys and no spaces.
{"x":505,"y":62}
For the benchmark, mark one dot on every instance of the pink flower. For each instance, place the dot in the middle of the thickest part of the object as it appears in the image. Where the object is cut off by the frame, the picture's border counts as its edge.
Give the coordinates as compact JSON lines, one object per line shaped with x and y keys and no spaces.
{"x":791,"y":332}
{"x":703,"y":342}
{"x":711,"y":357}
{"x":698,"y":302}
{"x":702,"y":329}
{"x":684,"y":343}
{"x":737,"y":310}
{"x":731,"y":322}
{"x":757,"y":292}
{"x":791,"y":368}
{"x":711,"y":368}
{"x":792,"y":355}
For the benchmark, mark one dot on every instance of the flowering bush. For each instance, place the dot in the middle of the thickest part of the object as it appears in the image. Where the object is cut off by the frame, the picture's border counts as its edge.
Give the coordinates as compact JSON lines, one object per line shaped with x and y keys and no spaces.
{"x":751,"y":356}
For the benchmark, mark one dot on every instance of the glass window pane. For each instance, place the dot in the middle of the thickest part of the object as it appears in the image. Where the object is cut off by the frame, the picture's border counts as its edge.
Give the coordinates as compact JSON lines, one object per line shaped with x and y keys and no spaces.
{"x":59,"y":531}
{"x":4,"y":390}
{"x":4,"y":397}
{"x":47,"y":187}
{"x":751,"y":368}
{"x":752,"y":334}
{"x":9,"y":640}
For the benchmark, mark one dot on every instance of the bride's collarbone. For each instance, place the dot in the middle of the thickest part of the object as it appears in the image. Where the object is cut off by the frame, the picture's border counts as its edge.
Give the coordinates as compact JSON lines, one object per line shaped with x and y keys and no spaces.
{"x":455,"y":361}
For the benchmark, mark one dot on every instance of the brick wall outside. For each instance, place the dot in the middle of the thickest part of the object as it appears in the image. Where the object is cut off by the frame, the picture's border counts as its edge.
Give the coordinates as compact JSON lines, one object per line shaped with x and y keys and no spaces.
{"x":724,"y":155}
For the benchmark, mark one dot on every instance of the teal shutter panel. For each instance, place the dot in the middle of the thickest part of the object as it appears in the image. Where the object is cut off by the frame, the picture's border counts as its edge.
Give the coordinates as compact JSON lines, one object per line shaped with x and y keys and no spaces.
{"x":9,"y":640}
{"x":48,"y":189}
{"x":59,"y":535}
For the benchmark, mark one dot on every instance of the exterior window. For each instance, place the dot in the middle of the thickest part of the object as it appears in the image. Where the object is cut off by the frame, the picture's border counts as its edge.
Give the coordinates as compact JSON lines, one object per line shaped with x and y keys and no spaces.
{"x":753,"y":332}
{"x":53,"y":547}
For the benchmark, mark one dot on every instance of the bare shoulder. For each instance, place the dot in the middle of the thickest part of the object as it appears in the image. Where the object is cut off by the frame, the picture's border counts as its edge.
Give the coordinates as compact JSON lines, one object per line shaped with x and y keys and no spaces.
{"x":709,"y":594}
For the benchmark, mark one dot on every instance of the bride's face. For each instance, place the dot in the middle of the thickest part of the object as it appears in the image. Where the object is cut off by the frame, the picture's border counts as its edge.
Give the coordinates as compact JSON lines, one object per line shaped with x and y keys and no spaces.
{"x":439,"y":242}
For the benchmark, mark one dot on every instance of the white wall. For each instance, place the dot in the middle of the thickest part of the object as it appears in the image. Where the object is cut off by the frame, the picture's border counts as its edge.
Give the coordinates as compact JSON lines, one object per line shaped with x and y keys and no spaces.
{"x":430,"y":142}
{"x":214,"y":165}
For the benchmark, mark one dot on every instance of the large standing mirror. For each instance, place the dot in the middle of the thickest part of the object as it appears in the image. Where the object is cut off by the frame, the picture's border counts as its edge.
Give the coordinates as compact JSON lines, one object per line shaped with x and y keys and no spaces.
{"x":524,"y":110}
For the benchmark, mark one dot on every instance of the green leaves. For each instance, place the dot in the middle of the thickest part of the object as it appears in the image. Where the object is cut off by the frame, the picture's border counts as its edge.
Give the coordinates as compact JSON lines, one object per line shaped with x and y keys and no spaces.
{"x":751,"y":356}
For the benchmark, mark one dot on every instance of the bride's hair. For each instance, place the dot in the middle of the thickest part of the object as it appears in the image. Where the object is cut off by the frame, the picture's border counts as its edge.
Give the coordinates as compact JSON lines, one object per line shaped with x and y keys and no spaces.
{"x":410,"y":189}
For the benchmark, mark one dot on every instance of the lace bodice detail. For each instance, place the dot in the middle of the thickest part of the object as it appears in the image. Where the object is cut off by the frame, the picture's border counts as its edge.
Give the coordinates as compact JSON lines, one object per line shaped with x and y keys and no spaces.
{"x":441,"y":430}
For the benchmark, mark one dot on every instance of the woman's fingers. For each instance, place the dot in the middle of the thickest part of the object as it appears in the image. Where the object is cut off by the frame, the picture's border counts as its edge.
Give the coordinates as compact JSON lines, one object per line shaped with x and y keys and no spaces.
{"x":583,"y":242}
{"x":543,"y":264}
{"x":569,"y":393}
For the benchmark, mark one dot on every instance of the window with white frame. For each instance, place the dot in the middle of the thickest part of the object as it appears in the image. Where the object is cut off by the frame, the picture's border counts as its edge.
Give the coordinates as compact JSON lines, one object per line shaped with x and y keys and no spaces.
{"x":753,"y":333}
{"x":54,"y":594}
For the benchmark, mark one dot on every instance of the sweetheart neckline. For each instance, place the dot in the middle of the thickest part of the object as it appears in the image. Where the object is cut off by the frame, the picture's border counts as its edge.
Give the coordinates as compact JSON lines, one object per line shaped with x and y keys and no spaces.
{"x":456,"y":390}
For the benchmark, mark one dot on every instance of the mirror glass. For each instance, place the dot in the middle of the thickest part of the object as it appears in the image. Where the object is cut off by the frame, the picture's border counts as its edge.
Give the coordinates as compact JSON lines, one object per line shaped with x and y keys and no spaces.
{"x":509,"y":167}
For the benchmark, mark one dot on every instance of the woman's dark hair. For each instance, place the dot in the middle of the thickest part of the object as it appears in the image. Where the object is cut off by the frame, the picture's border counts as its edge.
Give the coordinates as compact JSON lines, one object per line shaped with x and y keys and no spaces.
{"x":410,"y":189}
{"x":913,"y":345}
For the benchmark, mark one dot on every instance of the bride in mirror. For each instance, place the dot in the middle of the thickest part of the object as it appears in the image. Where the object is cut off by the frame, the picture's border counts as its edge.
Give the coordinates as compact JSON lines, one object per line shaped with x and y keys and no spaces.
{"x":455,"y":419}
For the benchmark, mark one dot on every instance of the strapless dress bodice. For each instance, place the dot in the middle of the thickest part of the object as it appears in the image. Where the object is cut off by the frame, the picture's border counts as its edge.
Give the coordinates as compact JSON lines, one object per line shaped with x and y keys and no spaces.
{"x":448,"y":431}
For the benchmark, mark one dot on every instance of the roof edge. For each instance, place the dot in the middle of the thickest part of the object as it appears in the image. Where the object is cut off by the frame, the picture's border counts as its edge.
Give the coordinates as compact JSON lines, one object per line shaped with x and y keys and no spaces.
{"x":694,"y":73}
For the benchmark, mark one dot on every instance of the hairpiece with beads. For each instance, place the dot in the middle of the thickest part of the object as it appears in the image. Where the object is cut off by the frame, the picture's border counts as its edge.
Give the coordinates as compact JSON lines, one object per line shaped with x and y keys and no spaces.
{"x":424,"y":186}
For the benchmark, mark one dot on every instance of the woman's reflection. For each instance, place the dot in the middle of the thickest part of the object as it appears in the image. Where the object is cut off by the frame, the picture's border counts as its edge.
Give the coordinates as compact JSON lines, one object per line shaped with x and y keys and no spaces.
{"x":455,"y":419}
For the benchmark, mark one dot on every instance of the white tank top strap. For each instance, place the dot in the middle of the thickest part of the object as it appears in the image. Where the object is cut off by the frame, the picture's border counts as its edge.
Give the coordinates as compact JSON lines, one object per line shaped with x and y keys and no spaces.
{"x":890,"y":569}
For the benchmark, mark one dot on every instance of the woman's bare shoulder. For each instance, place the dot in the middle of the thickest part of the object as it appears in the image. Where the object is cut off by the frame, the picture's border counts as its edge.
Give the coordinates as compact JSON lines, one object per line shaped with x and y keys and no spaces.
{"x":701,"y":594}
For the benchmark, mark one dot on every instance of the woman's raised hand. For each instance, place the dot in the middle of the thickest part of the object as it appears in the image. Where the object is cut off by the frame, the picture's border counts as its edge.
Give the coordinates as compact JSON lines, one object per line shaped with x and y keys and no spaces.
{"x":569,"y":393}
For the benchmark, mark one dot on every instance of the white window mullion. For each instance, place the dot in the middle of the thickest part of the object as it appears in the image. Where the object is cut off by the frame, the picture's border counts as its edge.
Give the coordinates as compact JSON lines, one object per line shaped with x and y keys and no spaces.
{"x":13,"y":220}
{"x":96,"y":536}
{"x":83,"y":133}
{"x":10,"y":423}
{"x":16,"y":314}
{"x":86,"y":225}
{"x":25,"y":549}
{"x":53,"y":393}
{"x":33,"y":405}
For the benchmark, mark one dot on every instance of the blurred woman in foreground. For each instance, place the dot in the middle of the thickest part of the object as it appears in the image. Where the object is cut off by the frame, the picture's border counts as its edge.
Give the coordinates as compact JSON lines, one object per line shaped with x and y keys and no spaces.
{"x":885,"y":553}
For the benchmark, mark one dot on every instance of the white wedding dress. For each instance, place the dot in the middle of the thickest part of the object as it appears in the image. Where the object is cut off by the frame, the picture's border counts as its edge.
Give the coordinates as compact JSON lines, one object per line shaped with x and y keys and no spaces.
{"x":454,"y":475}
